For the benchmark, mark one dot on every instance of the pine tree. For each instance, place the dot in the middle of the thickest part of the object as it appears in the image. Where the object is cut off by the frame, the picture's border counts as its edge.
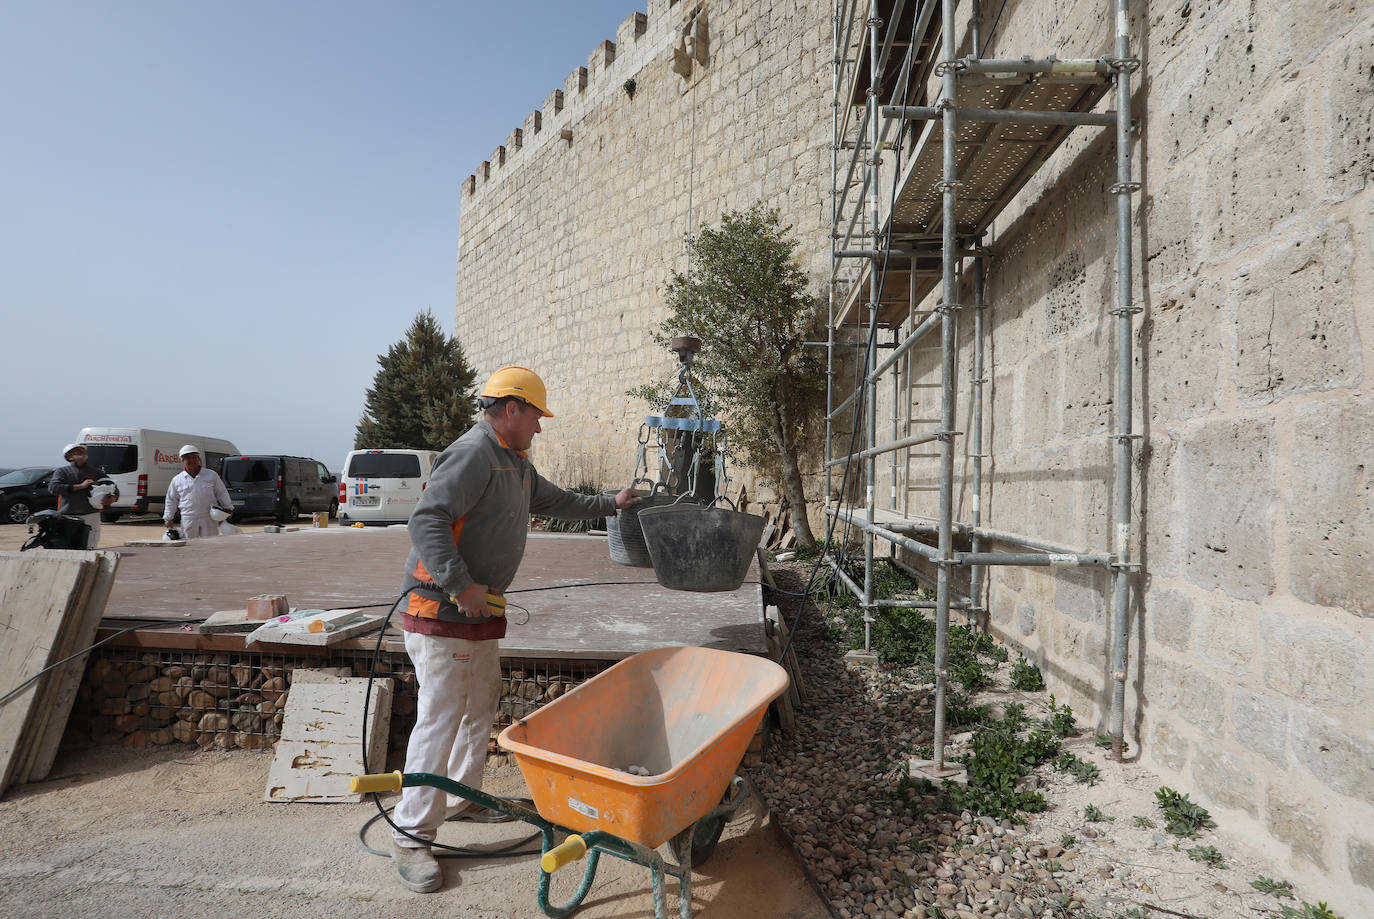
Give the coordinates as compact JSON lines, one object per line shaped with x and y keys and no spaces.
{"x":423,"y":397}
{"x":746,"y":299}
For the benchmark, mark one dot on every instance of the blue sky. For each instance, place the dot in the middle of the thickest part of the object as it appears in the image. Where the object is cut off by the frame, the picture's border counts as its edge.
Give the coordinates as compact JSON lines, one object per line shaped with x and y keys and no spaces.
{"x":217,"y":214}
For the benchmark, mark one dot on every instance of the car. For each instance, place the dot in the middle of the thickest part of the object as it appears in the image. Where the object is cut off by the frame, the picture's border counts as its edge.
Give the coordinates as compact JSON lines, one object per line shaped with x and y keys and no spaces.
{"x":278,"y":486}
{"x":24,"y":492}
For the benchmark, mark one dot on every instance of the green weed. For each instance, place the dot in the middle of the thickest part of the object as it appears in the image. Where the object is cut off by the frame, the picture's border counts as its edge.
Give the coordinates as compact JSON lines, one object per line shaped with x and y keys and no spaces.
{"x":1144,"y":823}
{"x":1272,"y":887}
{"x":1182,"y":817}
{"x":1093,"y":814}
{"x":1083,"y":772}
{"x":1209,"y":855}
{"x":1026,"y":676}
{"x":1307,"y":911}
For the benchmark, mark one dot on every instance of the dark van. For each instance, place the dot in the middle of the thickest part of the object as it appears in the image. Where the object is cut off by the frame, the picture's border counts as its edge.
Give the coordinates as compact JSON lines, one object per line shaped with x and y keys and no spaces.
{"x":279,"y":486}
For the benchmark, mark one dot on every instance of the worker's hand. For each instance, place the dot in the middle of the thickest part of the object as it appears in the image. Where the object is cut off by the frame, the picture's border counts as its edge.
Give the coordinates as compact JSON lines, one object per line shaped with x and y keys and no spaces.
{"x":626,"y":497}
{"x":83,"y":486}
{"x":473,"y":601}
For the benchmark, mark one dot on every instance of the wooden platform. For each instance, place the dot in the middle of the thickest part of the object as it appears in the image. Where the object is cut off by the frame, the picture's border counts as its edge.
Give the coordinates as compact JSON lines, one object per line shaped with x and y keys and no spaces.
{"x":347,"y":567}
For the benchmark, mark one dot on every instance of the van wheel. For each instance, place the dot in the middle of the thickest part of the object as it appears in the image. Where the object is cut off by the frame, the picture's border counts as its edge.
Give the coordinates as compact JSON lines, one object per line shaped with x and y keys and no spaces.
{"x":110,"y":516}
{"x":292,"y":513}
{"x":334,"y":509}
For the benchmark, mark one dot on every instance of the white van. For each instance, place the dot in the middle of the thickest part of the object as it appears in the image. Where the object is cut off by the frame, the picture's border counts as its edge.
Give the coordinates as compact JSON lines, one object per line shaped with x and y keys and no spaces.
{"x":383,"y":486}
{"x":142,"y":463}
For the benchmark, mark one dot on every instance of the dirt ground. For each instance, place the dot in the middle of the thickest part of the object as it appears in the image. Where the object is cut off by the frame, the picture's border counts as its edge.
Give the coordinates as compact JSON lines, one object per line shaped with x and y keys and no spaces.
{"x":113,"y":535}
{"x":178,"y":832}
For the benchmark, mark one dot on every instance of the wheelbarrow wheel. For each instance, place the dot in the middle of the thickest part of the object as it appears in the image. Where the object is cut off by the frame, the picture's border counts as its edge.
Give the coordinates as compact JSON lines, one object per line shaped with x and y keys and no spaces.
{"x":700,"y":839}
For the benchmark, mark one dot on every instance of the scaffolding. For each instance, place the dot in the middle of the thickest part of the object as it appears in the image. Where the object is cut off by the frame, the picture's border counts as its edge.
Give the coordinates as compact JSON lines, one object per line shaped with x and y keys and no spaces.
{"x":931,"y":142}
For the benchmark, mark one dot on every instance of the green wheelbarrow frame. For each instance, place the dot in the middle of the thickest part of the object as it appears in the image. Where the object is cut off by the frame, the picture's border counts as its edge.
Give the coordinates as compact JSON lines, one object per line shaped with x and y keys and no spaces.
{"x":693,"y":843}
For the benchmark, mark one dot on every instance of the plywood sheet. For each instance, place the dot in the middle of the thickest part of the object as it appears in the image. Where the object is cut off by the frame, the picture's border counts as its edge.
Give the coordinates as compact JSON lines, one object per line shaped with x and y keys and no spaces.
{"x":37,"y":591}
{"x":321,"y":741}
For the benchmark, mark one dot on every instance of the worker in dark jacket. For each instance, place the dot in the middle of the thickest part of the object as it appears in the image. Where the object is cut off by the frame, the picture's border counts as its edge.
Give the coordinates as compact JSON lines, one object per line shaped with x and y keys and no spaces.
{"x":468,"y":535}
{"x":72,"y":484}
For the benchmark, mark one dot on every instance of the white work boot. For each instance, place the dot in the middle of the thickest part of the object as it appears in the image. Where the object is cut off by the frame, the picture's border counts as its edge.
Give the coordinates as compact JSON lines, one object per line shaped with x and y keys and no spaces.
{"x":417,"y":868}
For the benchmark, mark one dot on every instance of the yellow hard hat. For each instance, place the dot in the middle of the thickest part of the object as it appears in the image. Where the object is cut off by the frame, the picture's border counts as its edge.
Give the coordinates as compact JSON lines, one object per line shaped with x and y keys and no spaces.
{"x":520,"y":382}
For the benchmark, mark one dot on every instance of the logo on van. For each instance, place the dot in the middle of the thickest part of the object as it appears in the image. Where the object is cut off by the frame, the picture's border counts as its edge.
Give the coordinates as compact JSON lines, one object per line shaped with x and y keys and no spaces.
{"x":160,"y":457}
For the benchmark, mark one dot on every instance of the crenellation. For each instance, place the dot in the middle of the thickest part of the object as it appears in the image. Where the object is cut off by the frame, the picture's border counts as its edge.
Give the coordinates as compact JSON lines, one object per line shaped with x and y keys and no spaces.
{"x":632,"y":28}
{"x":498,"y":157}
{"x":534,"y":121}
{"x":601,"y":59}
{"x":515,"y":140}
{"x":575,"y":83}
{"x":553,"y":104}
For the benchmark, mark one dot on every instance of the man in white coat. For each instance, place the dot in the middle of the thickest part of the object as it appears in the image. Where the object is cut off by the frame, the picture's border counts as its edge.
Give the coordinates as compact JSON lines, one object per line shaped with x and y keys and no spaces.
{"x":194,"y":491}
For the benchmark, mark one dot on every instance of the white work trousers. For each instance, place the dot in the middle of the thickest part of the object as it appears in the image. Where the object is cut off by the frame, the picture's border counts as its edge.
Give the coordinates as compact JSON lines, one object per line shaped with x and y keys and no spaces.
{"x":93,"y":537}
{"x":460,"y":684}
{"x":198,"y":527}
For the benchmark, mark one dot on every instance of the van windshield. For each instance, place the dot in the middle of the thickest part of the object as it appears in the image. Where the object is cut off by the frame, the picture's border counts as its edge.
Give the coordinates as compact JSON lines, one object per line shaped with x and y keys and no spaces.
{"x":112,"y":459}
{"x":240,"y":469}
{"x":384,"y":466}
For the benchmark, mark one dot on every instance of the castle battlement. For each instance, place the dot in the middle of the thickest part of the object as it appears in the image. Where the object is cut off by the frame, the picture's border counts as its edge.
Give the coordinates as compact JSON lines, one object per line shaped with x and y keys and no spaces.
{"x":608,"y":66}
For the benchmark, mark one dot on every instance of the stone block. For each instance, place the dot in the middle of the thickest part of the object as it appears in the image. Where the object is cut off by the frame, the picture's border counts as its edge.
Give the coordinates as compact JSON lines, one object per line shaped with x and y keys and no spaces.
{"x":575,"y":82}
{"x":1089,"y":386}
{"x":1361,"y":859}
{"x":1173,"y":688}
{"x":1293,"y":311}
{"x":1182,"y":342}
{"x":1227,"y":473}
{"x":1260,"y":724}
{"x":1168,"y":747}
{"x":1339,"y":759}
{"x":1258,"y":179}
{"x":1313,"y":662}
{"x":1170,"y":617}
{"x":553,"y":103}
{"x":1331,"y":513}
{"x":1083,"y":594}
{"x":1227,"y":634}
{"x":1156,"y":505}
{"x":631,"y":28}
{"x":1065,"y":310}
{"x":601,"y":58}
{"x":498,"y":157}
{"x":1348,"y":154}
{"x":1040,"y":399}
{"x":516,"y":139}
{"x":1025,"y":618}
{"x":1225,"y":780}
{"x":1291,"y":821}
{"x":534,"y":121}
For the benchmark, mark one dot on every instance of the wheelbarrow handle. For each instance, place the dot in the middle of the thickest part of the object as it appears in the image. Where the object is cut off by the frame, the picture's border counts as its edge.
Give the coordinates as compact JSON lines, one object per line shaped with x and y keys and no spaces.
{"x":570,"y":850}
{"x":384,"y":781}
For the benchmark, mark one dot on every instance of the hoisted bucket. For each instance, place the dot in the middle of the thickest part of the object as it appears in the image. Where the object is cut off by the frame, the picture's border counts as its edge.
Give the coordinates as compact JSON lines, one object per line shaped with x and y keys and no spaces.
{"x":624,"y":535}
{"x":700,"y":548}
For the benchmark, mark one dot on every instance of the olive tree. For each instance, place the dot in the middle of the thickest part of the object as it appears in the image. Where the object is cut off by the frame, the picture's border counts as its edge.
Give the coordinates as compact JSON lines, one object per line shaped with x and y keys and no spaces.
{"x":745,"y":296}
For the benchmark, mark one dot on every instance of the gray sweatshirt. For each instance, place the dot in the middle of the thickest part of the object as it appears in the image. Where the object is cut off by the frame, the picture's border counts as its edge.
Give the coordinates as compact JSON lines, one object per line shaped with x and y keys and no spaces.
{"x":76,"y":503}
{"x":470,"y":524}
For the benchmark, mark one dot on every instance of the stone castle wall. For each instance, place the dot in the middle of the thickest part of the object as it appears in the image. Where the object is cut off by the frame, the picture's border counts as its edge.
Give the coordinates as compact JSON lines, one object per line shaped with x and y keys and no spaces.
{"x":570,"y":231}
{"x":1252,"y":632}
{"x":1251,"y":671}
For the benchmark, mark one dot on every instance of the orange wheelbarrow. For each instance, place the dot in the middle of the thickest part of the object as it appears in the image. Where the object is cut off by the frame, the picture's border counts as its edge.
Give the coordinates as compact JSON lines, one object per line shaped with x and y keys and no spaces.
{"x":641,"y":754}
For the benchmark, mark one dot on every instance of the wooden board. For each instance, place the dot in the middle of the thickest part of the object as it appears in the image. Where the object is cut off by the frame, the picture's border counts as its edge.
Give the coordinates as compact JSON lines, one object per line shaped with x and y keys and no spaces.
{"x":321,"y":739}
{"x":79,"y":634}
{"x":37,"y":590}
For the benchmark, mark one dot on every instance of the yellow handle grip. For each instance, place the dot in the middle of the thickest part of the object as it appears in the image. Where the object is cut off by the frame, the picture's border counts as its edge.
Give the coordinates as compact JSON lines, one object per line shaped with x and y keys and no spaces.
{"x":571,"y":849}
{"x":382,"y":781}
{"x":497,"y":604}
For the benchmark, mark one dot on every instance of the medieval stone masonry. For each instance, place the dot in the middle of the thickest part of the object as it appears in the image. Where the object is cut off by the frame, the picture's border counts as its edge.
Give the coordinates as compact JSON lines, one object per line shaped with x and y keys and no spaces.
{"x":1251,"y":672}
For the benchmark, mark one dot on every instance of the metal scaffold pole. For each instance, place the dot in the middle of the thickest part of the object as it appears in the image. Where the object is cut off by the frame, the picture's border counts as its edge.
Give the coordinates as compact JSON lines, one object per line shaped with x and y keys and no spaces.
{"x":949,"y":187}
{"x":1123,"y":66}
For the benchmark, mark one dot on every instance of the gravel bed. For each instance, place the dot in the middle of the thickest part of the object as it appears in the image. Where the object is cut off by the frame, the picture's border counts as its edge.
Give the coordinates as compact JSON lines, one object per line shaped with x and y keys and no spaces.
{"x":831,"y":784}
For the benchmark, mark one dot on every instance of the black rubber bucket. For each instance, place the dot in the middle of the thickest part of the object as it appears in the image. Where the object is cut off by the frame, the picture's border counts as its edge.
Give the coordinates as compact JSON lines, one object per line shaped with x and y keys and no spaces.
{"x":624,"y":535}
{"x":700,"y":548}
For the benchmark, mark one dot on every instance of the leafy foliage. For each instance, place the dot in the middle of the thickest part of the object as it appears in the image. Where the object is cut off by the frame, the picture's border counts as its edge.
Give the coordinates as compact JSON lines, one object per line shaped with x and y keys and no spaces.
{"x":1182,"y":817}
{"x":423,"y":397}
{"x":745,"y":297}
{"x":1084,"y":772}
{"x":1026,"y":676}
{"x":1272,"y":887}
{"x":1209,"y":855}
{"x":1060,"y":722}
{"x":1104,"y":740}
{"x":1094,"y":814}
{"x":1307,"y":911}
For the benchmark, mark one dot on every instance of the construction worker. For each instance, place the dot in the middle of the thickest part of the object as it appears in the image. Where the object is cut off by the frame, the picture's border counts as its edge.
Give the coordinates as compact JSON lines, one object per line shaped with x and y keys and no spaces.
{"x":467,"y":537}
{"x":72,"y":484}
{"x":194,"y":491}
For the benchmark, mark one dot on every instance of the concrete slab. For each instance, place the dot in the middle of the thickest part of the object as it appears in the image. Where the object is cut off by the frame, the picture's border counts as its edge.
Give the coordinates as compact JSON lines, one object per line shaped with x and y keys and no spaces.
{"x":621,"y":610}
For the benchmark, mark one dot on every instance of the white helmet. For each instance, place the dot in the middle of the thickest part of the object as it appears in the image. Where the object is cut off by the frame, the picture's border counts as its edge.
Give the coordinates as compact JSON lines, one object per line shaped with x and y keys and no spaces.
{"x":188,"y":449}
{"x":101,"y":489}
{"x":69,"y":448}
